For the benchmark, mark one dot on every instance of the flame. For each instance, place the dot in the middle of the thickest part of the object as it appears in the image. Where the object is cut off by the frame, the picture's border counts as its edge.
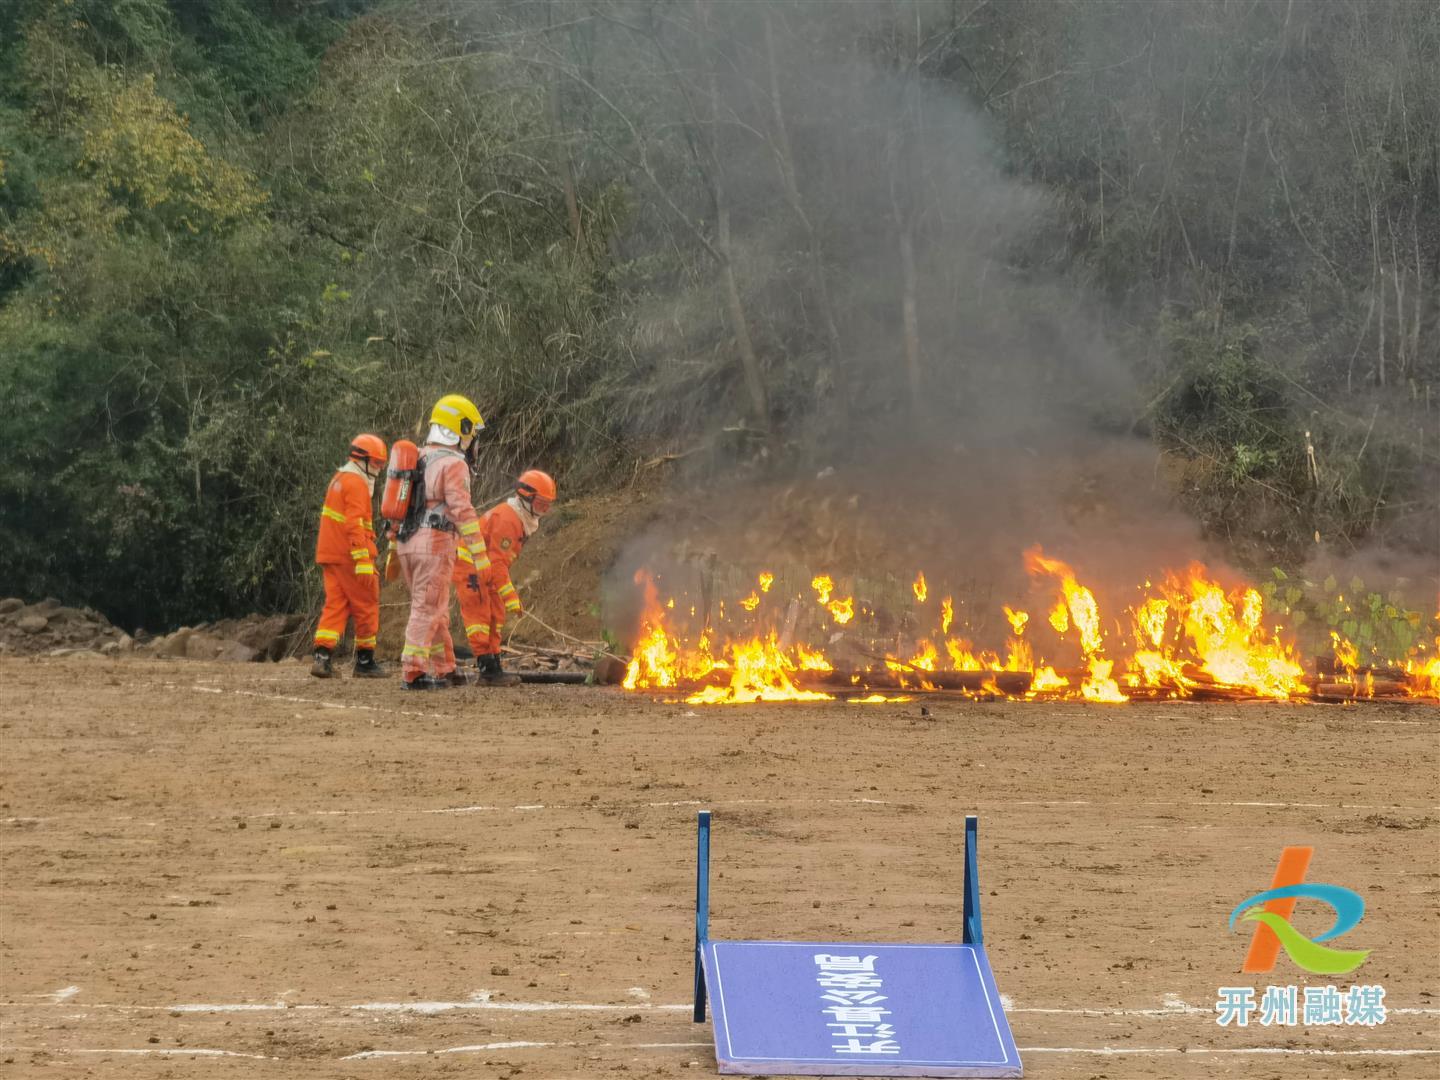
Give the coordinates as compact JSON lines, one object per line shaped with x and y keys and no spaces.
{"x":1150,"y":621}
{"x":1060,"y":617}
{"x":759,"y":671}
{"x":1099,"y":686}
{"x":1347,"y":656}
{"x":1047,"y":681}
{"x":811,"y":661}
{"x":1017,"y":619}
{"x":656,"y":654}
{"x":824,"y":586}
{"x":1229,"y":639}
{"x":1185,"y":636}
{"x":1425,"y":678}
{"x":1019,"y":656}
{"x":1084,"y":615}
{"x":925,"y":659}
{"x":654,"y":662}
{"x":961,"y":656}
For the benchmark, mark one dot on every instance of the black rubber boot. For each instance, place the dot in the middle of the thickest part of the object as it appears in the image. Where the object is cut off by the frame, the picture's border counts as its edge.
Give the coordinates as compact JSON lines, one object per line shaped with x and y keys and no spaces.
{"x":491,"y":673}
{"x":321,"y":667}
{"x":366,"y":666}
{"x":421,"y":682}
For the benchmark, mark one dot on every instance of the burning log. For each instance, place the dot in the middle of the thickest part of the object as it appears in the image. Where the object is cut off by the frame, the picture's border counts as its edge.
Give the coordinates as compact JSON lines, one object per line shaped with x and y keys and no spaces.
{"x":1011,"y":683}
{"x":1362,"y":691}
{"x":1328,"y":669}
{"x":574,"y":678}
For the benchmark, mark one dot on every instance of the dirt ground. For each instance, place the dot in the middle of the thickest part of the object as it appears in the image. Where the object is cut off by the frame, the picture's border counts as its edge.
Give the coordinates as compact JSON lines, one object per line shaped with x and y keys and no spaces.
{"x":240,"y":871}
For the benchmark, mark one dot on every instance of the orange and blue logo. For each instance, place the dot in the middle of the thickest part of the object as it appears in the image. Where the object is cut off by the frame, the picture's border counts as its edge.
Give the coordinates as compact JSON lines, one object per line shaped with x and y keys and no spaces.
{"x":1271,"y":910}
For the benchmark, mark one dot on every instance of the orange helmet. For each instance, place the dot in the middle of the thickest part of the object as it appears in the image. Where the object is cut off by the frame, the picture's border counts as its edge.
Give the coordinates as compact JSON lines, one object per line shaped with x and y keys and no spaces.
{"x":538,"y":488}
{"x":368,"y":447}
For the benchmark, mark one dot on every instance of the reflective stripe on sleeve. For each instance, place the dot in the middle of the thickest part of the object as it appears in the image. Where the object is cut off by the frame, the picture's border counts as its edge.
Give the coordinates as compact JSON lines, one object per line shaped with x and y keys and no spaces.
{"x":333,"y":515}
{"x":470,"y":528}
{"x":464,"y":556}
{"x":508,"y":589}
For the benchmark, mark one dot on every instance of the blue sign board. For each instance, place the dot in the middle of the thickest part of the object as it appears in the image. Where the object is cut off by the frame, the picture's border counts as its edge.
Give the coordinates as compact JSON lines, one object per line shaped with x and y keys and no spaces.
{"x":847,"y":1009}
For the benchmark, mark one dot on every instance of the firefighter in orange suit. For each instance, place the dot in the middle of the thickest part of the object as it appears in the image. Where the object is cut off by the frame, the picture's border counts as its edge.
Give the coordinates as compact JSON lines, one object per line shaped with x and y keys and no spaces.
{"x":487,"y":597}
{"x":427,"y":557}
{"x":345,"y":551}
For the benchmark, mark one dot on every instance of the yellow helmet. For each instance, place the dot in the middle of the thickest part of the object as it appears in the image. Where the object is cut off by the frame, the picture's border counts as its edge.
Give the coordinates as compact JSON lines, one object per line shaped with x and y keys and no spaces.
{"x":458,"y":414}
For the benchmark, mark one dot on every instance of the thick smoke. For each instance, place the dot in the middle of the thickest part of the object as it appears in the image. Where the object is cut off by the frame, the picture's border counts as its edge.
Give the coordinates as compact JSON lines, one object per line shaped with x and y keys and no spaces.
{"x":938,"y":266}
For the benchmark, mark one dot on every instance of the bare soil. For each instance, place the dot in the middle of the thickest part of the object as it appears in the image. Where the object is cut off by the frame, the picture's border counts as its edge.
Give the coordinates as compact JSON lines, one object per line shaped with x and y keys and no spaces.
{"x":240,"y":871}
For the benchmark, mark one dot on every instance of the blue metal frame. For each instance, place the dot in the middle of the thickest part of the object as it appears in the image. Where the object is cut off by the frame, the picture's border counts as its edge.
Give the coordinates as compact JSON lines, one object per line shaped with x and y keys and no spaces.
{"x":974,"y":934}
{"x":702,"y":908}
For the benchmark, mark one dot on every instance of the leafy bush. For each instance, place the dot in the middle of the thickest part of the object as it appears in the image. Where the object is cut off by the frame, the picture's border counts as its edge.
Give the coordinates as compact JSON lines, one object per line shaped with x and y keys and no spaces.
{"x":1379,"y":626}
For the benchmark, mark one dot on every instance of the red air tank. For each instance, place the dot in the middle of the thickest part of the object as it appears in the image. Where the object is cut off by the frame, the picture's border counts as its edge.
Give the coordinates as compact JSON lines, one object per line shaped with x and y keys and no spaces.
{"x":400,"y":480}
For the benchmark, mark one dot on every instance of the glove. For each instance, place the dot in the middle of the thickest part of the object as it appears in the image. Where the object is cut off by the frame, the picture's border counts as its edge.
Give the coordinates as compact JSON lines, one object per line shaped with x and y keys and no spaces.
{"x":513,"y":605}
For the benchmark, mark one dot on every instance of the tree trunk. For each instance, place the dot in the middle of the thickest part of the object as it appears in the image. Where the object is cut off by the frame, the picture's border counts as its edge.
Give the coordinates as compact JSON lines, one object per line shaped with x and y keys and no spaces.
{"x":562,"y":159}
{"x":562,"y":145}
{"x":786,"y":160}
{"x":749,"y":363}
{"x":910,"y":317}
{"x":734,"y":301}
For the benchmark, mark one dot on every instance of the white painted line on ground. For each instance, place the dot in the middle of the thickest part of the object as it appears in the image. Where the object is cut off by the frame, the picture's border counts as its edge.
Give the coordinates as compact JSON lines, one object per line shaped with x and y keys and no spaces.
{"x":479,"y":1048}
{"x":482,"y":1000}
{"x":1312,"y":1051}
{"x":484,"y":1004}
{"x":530,"y":807}
{"x":1104,"y":1051}
{"x":58,"y":997}
{"x":321,"y":702}
{"x":156,"y":1051}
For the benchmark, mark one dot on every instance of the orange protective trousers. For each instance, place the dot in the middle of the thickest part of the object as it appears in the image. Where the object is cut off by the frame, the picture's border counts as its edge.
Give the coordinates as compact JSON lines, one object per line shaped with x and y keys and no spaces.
{"x":349,"y":595}
{"x":482,"y":612}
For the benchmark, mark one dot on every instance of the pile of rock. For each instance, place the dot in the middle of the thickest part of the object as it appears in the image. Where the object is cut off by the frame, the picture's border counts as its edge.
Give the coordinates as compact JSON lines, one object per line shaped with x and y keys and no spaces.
{"x":253,"y":638}
{"x":50,"y":628}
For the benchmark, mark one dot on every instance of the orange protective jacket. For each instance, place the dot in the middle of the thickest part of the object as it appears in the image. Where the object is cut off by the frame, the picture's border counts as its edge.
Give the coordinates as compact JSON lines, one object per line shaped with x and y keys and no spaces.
{"x":347,"y":533}
{"x":504,"y":534}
